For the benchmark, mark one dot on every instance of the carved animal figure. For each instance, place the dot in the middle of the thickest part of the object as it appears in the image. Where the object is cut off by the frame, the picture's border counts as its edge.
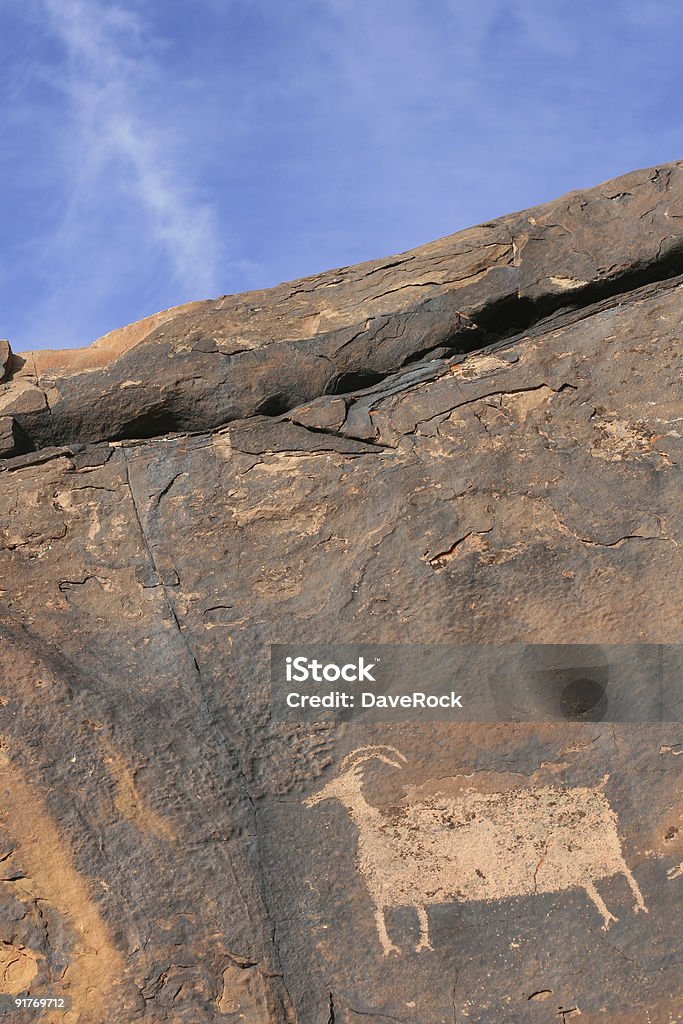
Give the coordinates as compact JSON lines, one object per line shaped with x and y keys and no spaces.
{"x":477,"y":846}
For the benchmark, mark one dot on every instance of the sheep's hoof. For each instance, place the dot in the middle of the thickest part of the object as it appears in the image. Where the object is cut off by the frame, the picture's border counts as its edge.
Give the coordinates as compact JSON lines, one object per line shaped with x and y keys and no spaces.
{"x":424,"y":945}
{"x":608,"y":921}
{"x":391,"y":948}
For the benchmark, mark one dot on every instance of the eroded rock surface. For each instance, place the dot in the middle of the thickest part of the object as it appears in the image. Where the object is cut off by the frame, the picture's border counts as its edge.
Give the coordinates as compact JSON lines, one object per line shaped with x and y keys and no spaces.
{"x":476,"y":441}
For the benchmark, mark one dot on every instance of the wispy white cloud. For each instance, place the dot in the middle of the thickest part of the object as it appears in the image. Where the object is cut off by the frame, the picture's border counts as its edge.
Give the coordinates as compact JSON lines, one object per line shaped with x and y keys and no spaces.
{"x":109,"y":70}
{"x":155,"y":151}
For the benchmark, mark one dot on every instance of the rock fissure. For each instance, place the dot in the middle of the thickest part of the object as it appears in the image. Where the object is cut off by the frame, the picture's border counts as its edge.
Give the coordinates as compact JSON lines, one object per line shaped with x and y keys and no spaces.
{"x":211,"y":718}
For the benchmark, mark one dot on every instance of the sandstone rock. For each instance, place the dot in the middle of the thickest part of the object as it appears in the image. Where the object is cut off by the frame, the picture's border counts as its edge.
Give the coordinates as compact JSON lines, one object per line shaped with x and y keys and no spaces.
{"x":12,"y":439}
{"x":5,"y":358}
{"x":321,"y":414}
{"x":474,"y":442}
{"x":267,"y":352}
{"x":7,"y":446}
{"x":21,"y":397}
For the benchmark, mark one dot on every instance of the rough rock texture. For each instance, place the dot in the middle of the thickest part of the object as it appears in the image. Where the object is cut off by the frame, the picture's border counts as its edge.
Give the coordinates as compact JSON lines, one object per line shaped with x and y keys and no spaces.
{"x":5,"y":358}
{"x":475,"y":441}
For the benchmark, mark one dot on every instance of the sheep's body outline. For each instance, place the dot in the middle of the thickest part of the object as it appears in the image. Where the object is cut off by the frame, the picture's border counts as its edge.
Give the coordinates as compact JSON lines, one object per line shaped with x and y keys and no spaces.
{"x":423,"y":853}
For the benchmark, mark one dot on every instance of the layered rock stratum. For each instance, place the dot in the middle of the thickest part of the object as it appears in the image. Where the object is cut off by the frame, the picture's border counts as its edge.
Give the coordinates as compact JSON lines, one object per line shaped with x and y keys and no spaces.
{"x":476,"y":441}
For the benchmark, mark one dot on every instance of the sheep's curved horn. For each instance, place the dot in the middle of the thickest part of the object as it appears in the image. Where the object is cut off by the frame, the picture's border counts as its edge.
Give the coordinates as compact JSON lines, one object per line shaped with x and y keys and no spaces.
{"x":356,"y":757}
{"x":368,"y":752}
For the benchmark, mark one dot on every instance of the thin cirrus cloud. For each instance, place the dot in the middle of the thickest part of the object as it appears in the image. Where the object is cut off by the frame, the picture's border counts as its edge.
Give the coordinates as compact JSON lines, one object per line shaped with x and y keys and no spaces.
{"x":158,"y":151}
{"x":127,"y":203}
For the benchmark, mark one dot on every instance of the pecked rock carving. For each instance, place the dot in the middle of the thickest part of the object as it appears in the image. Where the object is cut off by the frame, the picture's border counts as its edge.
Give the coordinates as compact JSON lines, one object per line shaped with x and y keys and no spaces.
{"x":481,"y":847}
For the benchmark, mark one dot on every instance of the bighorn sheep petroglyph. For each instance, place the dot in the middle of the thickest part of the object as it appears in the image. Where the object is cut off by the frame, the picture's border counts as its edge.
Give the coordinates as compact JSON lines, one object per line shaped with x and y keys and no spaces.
{"x":477,"y":846}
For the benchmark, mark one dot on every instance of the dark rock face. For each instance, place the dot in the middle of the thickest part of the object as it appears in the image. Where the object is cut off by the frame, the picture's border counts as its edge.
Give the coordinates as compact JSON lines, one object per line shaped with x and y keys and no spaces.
{"x":478,"y":441}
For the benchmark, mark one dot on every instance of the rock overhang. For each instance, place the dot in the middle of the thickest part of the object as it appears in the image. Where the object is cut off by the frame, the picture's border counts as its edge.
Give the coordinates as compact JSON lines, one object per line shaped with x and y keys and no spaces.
{"x":200,"y":366}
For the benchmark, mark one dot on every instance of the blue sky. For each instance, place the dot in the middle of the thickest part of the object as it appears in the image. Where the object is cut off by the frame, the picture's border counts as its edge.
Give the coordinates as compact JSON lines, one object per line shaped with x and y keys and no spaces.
{"x":157,"y":151}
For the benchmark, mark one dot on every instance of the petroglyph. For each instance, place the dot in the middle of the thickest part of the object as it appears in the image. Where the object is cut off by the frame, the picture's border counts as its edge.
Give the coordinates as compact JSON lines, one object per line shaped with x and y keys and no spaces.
{"x":477,"y":846}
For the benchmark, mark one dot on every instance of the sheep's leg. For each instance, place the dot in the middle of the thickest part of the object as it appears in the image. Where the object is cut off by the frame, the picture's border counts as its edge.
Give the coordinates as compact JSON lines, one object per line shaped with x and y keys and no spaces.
{"x":387,"y":945}
{"x":424,"y":942}
{"x":607,"y":917}
{"x":635,"y":889}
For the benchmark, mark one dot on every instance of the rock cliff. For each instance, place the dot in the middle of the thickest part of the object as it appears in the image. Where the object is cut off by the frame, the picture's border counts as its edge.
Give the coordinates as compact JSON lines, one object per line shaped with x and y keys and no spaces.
{"x":476,"y":441}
